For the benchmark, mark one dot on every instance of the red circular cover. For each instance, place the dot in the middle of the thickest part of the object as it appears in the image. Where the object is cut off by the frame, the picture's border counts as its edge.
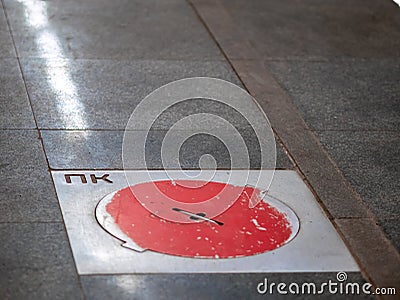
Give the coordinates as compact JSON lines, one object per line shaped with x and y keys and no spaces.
{"x":245,"y":231}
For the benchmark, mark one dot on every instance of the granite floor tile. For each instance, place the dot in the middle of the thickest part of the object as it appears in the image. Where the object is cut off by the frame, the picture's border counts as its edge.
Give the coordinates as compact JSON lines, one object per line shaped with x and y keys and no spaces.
{"x":205,"y":286}
{"x":28,"y":197}
{"x":391,"y":227}
{"x":83,"y":149}
{"x":21,"y":150}
{"x":374,"y":253}
{"x":87,"y":64}
{"x":102,"y":94}
{"x":15,"y":111}
{"x":103,"y":150}
{"x":183,"y":116}
{"x":90,"y":29}
{"x":359,"y":95}
{"x":36,"y":262}
{"x":370,"y":162}
{"x":322,"y":174}
{"x":318,"y":30}
{"x":6,"y":43}
{"x":26,"y":191}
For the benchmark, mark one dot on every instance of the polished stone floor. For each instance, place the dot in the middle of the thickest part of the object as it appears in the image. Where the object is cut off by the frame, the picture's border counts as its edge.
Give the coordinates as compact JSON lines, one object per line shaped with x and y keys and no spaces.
{"x":72,"y":72}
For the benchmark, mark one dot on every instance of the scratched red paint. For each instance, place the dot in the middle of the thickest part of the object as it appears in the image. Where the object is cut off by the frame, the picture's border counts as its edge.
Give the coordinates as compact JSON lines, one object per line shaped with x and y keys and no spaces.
{"x":245,"y":231}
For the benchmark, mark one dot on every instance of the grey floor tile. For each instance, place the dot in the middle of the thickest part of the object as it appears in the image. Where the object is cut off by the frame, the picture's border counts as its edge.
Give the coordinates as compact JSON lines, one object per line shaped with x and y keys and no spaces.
{"x":348,"y":95}
{"x":186,"y":110}
{"x":119,"y":29}
{"x":103,"y":150}
{"x":6,"y":43}
{"x":15,"y":111}
{"x":391,"y":227}
{"x":315,"y":29}
{"x":21,"y":150}
{"x":26,"y":191}
{"x":205,"y":286}
{"x":28,"y":196}
{"x":36,"y":262}
{"x":370,"y":162}
{"x":102,"y":94}
{"x":83,"y":149}
{"x":374,"y":253}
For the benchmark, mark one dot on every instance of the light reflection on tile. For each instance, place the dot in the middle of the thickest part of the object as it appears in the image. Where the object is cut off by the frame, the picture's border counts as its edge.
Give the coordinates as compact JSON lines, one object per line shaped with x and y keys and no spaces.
{"x":108,"y":90}
{"x":69,"y":106}
{"x":90,"y":29}
{"x":35,"y":12}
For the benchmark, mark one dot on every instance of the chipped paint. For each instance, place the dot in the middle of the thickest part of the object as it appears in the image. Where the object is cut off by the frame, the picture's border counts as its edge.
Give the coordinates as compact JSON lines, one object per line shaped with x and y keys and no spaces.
{"x":243,"y":231}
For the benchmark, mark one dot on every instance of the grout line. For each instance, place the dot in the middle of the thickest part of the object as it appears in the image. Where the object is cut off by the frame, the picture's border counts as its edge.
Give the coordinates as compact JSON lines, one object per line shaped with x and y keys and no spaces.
{"x":238,"y":76}
{"x":366,"y":130}
{"x":274,"y":90}
{"x":128,"y":59}
{"x":24,"y":82}
{"x":247,"y":128}
{"x":237,"y":73}
{"x":332,"y":59}
{"x":31,"y":222}
{"x":41,"y":141}
{"x":160,"y":169}
{"x":305,"y":59}
{"x":215,"y":273}
{"x":217,"y":43}
{"x":18,"y":129}
{"x":360,"y":130}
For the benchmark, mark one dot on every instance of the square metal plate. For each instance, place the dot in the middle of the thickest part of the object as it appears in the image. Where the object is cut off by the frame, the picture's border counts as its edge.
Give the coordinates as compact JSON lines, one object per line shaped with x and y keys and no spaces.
{"x":316,"y":248}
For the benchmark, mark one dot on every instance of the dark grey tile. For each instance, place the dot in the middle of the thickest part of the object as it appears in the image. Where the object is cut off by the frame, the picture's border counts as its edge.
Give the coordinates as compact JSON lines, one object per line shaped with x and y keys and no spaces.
{"x":391,"y":227}
{"x":26,"y":191}
{"x":346,"y":95}
{"x":6,"y":44}
{"x":378,"y":258}
{"x":315,"y":29}
{"x":83,"y":149}
{"x":210,"y":108}
{"x":21,"y":150}
{"x":15,"y":111}
{"x":102,"y":94}
{"x":204,"y":286}
{"x":301,"y":143}
{"x":28,"y":197}
{"x":370,"y":162}
{"x":282,"y":159}
{"x":323,"y":175}
{"x":195,"y":145}
{"x":103,"y":150}
{"x":118,"y":29}
{"x":36,"y":262}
